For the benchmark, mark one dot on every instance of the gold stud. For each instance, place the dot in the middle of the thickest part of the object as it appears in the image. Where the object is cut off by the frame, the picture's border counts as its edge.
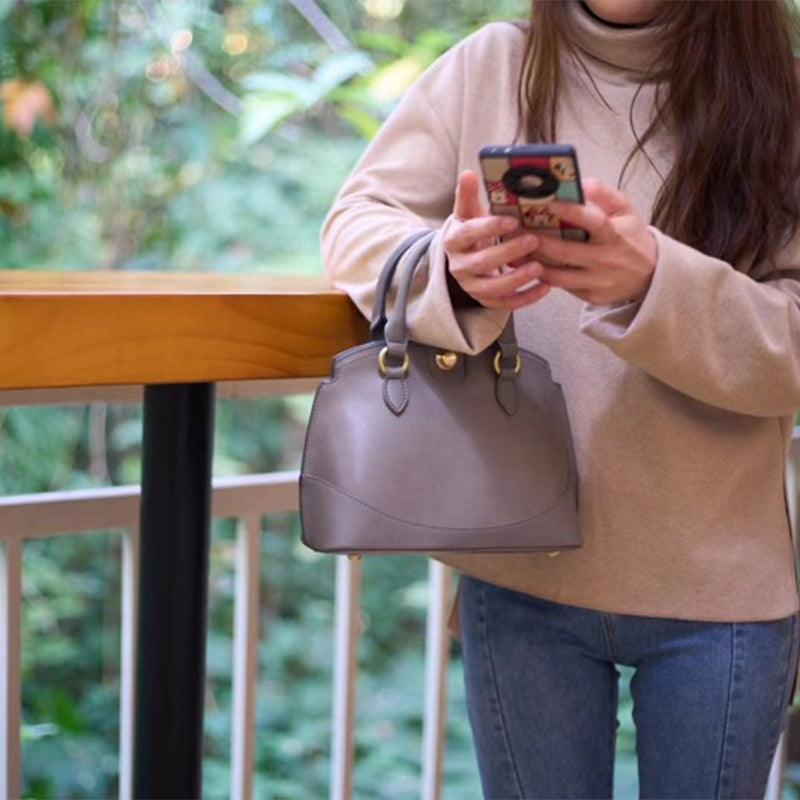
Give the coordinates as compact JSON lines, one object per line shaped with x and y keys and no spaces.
{"x":446,"y":360}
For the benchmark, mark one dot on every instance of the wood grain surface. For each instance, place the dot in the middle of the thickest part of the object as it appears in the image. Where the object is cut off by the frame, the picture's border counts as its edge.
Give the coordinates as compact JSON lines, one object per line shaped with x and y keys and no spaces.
{"x":91,"y":328}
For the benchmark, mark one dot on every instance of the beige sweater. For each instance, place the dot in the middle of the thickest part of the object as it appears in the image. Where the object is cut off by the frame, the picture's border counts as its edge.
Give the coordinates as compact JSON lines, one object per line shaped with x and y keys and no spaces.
{"x":681,"y":406}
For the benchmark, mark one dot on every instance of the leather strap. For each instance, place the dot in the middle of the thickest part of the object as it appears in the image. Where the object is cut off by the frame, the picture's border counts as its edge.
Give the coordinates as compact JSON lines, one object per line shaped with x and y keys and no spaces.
{"x":507,"y":366}
{"x":378,"y":320}
{"x":396,"y":331}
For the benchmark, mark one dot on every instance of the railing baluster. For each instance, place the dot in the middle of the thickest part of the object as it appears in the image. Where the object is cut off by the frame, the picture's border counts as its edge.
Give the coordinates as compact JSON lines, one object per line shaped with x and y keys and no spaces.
{"x":127,"y":687}
{"x":348,"y":597}
{"x":245,"y":656}
{"x":437,"y":651}
{"x":773,"y":790}
{"x":10,"y":655}
{"x":792,"y":486}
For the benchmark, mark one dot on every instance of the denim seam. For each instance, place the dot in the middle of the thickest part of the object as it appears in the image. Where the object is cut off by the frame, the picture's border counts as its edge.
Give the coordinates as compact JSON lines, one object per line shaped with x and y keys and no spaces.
{"x":609,"y":634}
{"x":782,"y":700}
{"x":791,"y":666}
{"x":611,"y":754}
{"x":722,"y":770}
{"x":496,"y":693}
{"x":610,"y":637}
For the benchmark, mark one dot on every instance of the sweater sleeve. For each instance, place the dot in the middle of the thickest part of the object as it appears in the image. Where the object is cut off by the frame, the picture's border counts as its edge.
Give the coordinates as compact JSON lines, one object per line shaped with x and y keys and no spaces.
{"x":404,"y":181}
{"x":715,"y":334}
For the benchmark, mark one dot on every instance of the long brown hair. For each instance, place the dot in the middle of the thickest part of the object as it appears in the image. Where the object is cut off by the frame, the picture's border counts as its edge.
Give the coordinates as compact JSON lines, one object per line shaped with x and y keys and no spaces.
{"x":730,"y":95}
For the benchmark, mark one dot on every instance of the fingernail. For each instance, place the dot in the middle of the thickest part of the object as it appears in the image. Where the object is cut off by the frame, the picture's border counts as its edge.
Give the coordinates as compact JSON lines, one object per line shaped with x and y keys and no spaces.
{"x":509,"y":224}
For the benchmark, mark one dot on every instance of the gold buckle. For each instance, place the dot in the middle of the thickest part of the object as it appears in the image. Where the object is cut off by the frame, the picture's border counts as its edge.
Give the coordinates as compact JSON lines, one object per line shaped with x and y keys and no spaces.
{"x":496,"y":362}
{"x":382,"y":361}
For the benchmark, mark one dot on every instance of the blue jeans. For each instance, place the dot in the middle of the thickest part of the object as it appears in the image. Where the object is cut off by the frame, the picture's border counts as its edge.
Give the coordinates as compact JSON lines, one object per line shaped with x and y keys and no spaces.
{"x":710,"y":699}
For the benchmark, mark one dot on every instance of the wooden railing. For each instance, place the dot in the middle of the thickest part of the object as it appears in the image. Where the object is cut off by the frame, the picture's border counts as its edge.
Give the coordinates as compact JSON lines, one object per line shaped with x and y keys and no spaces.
{"x":177,"y":334}
{"x":107,"y":328}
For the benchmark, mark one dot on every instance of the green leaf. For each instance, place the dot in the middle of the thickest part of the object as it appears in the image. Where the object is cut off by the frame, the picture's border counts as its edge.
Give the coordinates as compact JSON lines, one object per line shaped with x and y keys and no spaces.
{"x":339,"y":68}
{"x":65,"y":711}
{"x":277,"y":96}
{"x":274,"y":82}
{"x":261,"y":114}
{"x":362,"y":121}
{"x":436,"y":40}
{"x":382,"y":42}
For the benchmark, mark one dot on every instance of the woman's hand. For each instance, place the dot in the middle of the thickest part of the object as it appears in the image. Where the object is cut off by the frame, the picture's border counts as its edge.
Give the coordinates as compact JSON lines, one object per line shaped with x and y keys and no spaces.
{"x":479,"y":261}
{"x":617,"y":262}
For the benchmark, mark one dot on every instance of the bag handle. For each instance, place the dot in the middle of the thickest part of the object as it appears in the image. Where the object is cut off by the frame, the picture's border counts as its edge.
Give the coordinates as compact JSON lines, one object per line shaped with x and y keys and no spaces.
{"x":378,"y":320}
{"x":393,"y":360}
{"x":396,"y":330}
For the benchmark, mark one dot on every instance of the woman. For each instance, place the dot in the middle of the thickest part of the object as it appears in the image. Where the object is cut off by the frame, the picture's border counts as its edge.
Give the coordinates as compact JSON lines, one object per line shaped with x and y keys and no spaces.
{"x":677,"y":344}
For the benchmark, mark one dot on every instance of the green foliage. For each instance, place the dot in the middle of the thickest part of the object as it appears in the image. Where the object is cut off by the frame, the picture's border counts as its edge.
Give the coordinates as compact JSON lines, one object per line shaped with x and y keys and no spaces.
{"x":70,"y":666}
{"x":41,"y":448}
{"x":204,"y":135}
{"x":295,"y":659}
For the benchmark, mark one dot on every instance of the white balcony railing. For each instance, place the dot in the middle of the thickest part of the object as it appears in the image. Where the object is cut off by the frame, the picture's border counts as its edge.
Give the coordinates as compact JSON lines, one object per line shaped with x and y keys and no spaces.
{"x":247,"y":499}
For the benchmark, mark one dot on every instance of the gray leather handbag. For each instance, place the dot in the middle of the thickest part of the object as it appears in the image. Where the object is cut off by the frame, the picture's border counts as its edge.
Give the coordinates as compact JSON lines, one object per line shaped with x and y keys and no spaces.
{"x":413,"y":449}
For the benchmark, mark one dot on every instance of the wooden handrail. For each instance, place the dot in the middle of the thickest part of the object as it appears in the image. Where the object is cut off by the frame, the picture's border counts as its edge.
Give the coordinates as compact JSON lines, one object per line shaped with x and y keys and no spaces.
{"x":93,"y":328}
{"x":71,"y":329}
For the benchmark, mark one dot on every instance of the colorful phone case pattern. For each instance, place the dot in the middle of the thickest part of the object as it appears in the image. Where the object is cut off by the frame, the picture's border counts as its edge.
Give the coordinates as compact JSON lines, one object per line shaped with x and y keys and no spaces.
{"x":523,"y":186}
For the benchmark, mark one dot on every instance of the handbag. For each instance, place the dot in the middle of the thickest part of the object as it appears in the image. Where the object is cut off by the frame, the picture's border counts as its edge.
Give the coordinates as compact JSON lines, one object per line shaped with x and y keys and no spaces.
{"x":411,"y":448}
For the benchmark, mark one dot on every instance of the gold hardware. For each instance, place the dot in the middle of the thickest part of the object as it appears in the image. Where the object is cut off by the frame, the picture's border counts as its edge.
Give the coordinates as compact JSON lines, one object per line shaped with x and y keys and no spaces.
{"x":354,"y":557}
{"x":496,"y":363}
{"x":554,"y":553}
{"x":446,"y":360}
{"x":382,"y":361}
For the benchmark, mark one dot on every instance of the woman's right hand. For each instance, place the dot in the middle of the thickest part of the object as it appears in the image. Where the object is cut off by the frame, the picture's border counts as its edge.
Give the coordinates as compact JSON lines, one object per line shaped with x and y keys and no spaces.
{"x":491,"y":270}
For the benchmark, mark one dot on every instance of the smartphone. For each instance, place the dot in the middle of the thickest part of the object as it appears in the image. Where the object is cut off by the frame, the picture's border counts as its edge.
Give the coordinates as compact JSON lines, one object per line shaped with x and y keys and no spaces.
{"x":521,"y":180}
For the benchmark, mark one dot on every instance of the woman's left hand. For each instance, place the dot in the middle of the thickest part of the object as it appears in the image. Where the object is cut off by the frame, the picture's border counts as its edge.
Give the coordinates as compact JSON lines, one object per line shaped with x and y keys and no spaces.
{"x":617,"y":262}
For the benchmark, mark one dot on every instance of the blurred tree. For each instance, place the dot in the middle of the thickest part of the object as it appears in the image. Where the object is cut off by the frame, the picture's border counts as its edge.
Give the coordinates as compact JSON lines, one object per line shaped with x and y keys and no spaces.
{"x":197,"y":135}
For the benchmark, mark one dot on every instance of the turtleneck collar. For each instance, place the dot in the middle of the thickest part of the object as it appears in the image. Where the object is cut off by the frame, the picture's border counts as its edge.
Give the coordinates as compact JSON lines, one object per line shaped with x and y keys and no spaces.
{"x":627,"y":49}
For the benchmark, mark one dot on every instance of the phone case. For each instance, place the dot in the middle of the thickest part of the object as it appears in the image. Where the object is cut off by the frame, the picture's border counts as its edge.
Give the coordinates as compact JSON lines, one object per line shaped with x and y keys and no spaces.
{"x":521,"y":180}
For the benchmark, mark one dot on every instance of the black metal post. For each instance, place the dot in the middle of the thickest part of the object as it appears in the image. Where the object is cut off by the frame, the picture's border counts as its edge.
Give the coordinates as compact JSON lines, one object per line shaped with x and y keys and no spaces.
{"x":173,"y":587}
